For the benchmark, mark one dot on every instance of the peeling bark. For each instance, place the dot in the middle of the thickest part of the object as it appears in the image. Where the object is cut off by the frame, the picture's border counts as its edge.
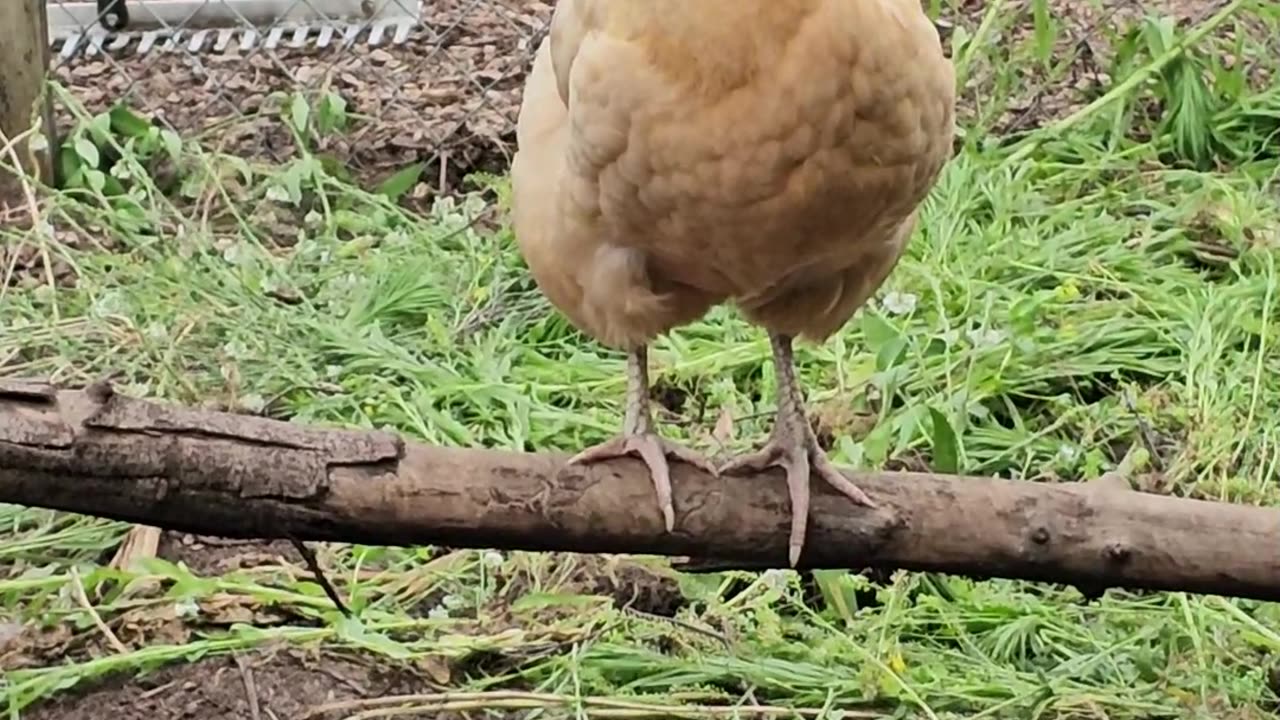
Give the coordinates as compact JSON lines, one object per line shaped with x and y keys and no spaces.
{"x":95,"y":452}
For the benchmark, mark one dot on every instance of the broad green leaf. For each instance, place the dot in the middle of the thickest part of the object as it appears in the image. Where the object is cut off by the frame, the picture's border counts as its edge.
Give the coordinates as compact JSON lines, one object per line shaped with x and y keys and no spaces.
{"x":95,"y":179}
{"x":331,"y":114}
{"x":946,"y":451}
{"x":355,"y":632}
{"x":401,"y":182}
{"x":100,"y":127}
{"x":127,"y":123}
{"x":300,"y":113}
{"x":172,"y":143}
{"x":889,"y":353}
{"x":878,"y":331}
{"x":69,"y":164}
{"x":87,"y":151}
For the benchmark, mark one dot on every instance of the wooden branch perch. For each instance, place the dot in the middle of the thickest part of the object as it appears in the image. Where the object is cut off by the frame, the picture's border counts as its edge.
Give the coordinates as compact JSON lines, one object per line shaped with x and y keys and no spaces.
{"x":94,"y":452}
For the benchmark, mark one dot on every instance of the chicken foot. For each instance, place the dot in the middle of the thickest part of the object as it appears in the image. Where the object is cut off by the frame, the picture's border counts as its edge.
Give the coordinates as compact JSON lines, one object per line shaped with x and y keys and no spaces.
{"x":793,"y":446}
{"x":638,"y":437}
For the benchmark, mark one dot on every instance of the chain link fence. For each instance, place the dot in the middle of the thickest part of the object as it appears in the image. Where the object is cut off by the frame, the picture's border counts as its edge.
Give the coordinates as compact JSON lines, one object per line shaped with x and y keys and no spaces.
{"x":432,"y":81}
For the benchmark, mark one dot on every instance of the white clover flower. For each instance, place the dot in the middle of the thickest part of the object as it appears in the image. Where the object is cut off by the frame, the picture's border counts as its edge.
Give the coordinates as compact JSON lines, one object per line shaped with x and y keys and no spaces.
{"x":111,"y":302}
{"x":253,"y":402}
{"x":236,"y":349}
{"x":186,"y":608}
{"x":986,"y":337}
{"x":897,"y":303}
{"x":236,"y":253}
{"x":774,"y":579}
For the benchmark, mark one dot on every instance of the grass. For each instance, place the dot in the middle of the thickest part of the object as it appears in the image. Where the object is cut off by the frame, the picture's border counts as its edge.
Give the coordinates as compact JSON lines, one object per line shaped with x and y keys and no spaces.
{"x":1069,"y":288}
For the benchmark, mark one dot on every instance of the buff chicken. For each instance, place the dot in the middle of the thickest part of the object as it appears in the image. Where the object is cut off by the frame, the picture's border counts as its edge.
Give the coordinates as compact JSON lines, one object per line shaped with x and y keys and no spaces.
{"x":677,"y":154}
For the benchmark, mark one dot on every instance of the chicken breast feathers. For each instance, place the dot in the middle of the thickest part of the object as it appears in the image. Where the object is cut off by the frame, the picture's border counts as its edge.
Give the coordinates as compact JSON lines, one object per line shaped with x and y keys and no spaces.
{"x":675,"y":154}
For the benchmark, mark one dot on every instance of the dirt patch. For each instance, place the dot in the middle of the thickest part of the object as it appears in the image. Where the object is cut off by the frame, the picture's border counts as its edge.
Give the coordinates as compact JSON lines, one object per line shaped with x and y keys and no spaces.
{"x":210,"y":556}
{"x":448,"y":96}
{"x":283,"y":684}
{"x":642,"y":587}
{"x":637,"y":584}
{"x":1081,"y":55}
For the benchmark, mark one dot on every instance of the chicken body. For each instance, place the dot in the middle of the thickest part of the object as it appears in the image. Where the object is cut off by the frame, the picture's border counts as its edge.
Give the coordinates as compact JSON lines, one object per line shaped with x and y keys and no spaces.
{"x":674,"y":155}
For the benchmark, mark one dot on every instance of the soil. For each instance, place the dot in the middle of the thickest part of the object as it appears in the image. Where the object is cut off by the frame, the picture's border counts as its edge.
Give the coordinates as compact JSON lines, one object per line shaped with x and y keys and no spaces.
{"x":448,"y":95}
{"x":210,"y":556}
{"x":283,"y":684}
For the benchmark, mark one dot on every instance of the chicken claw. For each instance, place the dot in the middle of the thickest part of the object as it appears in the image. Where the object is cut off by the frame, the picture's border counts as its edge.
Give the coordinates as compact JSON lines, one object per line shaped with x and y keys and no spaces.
{"x":653,"y":449}
{"x":793,"y":447}
{"x":639,"y":438}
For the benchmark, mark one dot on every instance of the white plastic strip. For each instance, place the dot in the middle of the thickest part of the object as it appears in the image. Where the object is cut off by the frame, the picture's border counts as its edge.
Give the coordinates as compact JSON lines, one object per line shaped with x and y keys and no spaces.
{"x":72,"y":18}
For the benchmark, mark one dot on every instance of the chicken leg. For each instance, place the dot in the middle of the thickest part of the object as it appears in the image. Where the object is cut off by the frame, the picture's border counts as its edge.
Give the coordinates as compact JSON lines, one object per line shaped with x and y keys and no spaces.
{"x":639,"y":438}
{"x":793,"y":446}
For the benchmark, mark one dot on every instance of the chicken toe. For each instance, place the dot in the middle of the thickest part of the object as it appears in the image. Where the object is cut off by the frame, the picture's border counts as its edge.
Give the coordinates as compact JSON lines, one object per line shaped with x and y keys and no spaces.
{"x":653,"y":449}
{"x":639,"y":438}
{"x":793,"y":446}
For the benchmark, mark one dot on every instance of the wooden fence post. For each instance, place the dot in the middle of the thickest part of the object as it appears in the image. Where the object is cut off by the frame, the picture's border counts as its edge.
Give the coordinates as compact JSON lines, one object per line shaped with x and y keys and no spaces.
{"x":24,"y":62}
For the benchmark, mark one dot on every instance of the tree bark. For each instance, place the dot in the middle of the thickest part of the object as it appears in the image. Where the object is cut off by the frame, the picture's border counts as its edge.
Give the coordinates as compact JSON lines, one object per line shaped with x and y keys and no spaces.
{"x":95,"y":452}
{"x":24,"y":55}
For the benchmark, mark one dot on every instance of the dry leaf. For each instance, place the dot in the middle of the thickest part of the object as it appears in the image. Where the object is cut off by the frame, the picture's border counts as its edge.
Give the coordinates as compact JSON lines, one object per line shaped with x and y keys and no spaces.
{"x":437,"y":668}
{"x":722,"y":433}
